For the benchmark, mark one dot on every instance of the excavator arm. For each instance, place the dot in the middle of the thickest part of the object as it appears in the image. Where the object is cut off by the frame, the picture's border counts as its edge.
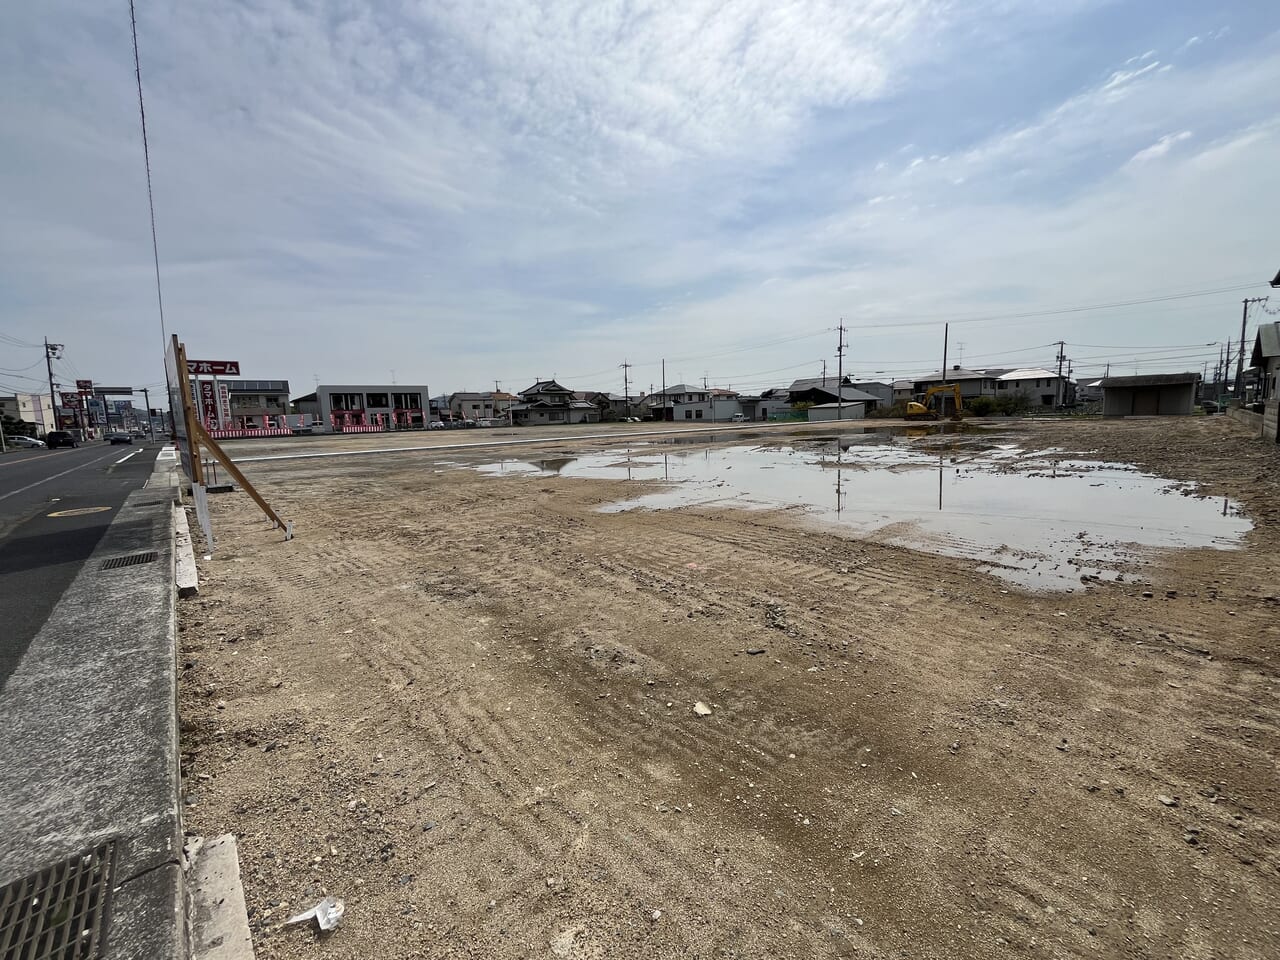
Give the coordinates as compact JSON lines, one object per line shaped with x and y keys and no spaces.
{"x":924,"y":409}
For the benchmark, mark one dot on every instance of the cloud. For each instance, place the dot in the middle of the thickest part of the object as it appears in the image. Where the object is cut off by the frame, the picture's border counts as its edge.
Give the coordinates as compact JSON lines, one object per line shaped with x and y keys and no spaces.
{"x":497,"y":189}
{"x":1160,"y":147}
{"x":1122,"y":77}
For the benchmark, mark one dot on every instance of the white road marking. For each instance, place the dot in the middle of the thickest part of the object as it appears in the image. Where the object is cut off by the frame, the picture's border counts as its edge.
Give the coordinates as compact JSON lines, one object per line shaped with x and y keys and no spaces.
{"x":127,"y":456}
{"x":87,"y":463}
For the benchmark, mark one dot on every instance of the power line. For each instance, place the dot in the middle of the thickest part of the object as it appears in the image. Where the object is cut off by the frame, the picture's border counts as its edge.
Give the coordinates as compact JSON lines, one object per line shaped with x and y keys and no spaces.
{"x":1059,"y":311}
{"x":146,"y":156}
{"x":19,"y":369}
{"x":23,"y":377}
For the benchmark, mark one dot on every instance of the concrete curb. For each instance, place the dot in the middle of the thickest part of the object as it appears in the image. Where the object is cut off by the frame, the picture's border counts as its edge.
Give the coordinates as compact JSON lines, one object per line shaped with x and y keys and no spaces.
{"x":91,"y":731}
{"x":185,"y":574}
{"x":219,"y":919}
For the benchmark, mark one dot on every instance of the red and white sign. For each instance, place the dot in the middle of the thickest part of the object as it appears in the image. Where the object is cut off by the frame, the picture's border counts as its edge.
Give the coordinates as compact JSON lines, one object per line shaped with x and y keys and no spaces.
{"x":84,"y":386}
{"x":71,"y":400}
{"x":208,"y":402}
{"x":224,"y":405}
{"x":213,"y":368}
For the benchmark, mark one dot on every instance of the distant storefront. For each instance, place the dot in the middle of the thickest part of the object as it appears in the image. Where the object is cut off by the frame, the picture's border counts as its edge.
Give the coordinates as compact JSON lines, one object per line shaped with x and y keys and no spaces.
{"x":366,"y":407}
{"x":241,"y":404}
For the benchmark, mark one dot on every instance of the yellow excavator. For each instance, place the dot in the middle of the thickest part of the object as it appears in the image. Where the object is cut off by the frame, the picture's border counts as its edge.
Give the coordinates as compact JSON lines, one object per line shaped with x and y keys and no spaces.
{"x":924,"y":411}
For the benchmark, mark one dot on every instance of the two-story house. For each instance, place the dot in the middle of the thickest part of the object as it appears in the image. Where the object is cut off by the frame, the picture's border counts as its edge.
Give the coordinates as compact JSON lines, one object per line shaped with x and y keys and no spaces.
{"x":685,"y":402}
{"x":550,"y":402}
{"x":1035,"y":385}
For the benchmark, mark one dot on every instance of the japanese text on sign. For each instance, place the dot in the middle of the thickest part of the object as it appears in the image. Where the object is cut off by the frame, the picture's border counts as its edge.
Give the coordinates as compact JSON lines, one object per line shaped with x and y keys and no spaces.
{"x":214,"y":368}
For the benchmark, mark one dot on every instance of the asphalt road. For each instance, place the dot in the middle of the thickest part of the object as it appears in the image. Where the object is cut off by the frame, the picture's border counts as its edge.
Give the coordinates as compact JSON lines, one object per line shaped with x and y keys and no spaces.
{"x":41,"y":551}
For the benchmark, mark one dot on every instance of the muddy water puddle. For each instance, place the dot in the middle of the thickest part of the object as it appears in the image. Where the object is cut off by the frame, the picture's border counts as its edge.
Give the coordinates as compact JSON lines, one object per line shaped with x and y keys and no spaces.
{"x":1040,"y":519}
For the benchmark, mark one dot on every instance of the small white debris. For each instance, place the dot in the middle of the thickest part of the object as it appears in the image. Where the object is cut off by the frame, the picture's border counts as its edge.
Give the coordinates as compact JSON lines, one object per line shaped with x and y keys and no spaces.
{"x":701,"y":709}
{"x":327,"y":914}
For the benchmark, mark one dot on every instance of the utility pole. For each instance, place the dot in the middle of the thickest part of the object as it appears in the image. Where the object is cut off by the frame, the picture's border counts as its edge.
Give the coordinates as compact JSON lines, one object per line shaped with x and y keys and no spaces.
{"x":664,"y":389}
{"x":824,"y":372}
{"x":1226,"y":368}
{"x":626,"y":388}
{"x":840,"y":345}
{"x":51,"y":351}
{"x":1244,"y":319}
{"x":946,"y":334}
{"x":1062,"y":346}
{"x":151,"y":426}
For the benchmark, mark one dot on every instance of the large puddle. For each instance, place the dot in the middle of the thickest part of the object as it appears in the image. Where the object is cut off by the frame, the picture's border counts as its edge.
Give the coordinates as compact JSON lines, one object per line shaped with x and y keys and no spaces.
{"x":1038,"y":519}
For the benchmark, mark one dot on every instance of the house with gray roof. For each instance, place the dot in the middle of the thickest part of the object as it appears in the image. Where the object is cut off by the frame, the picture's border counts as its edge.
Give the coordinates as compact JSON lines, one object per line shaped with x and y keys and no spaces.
{"x":822,"y":390}
{"x":692,"y":402}
{"x":973,"y":383}
{"x":1266,"y":360}
{"x":1035,"y":385}
{"x":550,"y":402}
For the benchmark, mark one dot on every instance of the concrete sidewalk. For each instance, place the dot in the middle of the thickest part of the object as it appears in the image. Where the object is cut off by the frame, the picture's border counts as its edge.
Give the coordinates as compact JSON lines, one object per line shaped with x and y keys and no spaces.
{"x":89,"y":754}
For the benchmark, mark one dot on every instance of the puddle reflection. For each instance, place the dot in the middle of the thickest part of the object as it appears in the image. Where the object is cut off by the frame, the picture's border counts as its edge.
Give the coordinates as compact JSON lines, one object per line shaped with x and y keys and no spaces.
{"x":1039,"y":519}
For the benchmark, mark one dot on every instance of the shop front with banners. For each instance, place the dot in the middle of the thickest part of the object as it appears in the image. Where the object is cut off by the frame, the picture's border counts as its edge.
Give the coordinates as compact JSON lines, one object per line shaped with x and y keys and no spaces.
{"x":366,"y":408}
{"x":246,"y":408}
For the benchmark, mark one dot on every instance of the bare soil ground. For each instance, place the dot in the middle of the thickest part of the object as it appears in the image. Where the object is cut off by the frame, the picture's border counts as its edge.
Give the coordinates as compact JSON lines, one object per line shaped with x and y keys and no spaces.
{"x":466,"y":705}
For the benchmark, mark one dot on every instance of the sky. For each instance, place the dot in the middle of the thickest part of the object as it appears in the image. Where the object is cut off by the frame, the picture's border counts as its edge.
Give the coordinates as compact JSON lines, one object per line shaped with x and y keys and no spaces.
{"x":462,"y":192}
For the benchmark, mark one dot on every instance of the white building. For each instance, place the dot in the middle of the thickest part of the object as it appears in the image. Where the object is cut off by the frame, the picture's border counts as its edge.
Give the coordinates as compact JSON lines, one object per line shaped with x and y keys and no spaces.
{"x":685,"y":402}
{"x":1037,"y":386}
{"x":32,"y":407}
{"x":367,"y":406}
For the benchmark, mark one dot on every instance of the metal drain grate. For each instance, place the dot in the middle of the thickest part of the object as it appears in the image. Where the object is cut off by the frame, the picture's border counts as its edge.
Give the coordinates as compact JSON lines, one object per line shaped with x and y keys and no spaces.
{"x":132,"y":560}
{"x":60,"y":912}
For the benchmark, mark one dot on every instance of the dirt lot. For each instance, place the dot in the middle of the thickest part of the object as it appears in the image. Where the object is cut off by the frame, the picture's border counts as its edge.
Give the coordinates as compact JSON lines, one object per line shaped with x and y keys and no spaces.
{"x":466,"y":705}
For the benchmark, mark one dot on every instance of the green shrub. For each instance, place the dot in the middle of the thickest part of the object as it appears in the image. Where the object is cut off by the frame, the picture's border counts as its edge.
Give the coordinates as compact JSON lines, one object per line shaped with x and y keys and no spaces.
{"x":981,"y":406}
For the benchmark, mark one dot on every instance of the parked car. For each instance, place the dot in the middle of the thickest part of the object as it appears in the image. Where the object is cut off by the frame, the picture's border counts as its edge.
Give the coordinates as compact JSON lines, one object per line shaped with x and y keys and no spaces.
{"x":29,"y":443}
{"x":1210,"y":406}
{"x":435,"y":425}
{"x":114,"y":438}
{"x":738,"y":418}
{"x":60,"y":438}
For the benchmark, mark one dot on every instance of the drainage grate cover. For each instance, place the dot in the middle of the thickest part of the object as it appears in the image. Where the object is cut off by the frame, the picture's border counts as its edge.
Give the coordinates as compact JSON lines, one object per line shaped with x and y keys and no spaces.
{"x":60,"y":912}
{"x":132,"y":560}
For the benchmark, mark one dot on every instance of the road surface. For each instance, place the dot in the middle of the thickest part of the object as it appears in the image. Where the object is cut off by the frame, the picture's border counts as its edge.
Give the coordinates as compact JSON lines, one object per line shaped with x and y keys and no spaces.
{"x":54,"y":507}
